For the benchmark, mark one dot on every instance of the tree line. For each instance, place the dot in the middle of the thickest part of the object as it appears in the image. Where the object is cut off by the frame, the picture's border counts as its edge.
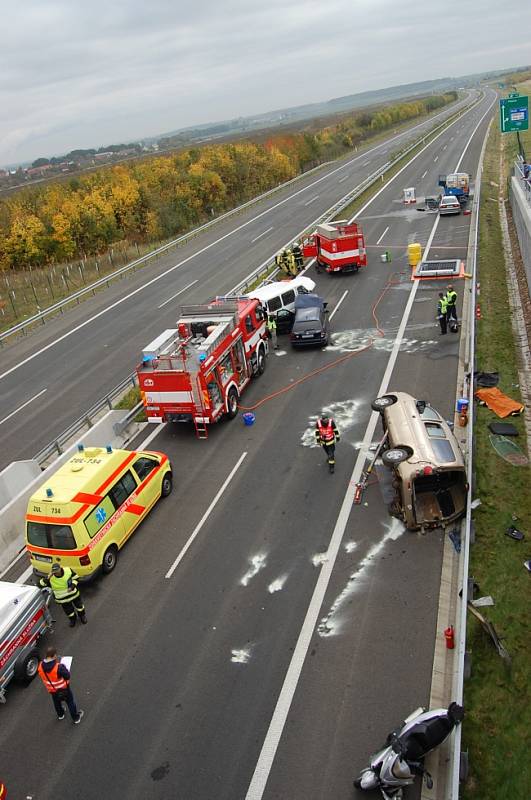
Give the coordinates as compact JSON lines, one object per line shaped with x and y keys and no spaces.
{"x":161,"y":197}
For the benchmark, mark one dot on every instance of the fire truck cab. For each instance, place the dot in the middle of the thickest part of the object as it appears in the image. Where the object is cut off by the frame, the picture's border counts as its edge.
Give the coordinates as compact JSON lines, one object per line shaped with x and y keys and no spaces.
{"x":198,"y":370}
{"x":337,"y":247}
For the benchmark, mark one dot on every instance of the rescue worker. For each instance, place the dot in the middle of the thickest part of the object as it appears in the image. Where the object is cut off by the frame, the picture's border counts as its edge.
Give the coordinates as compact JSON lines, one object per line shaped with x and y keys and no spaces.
{"x":327,"y":434}
{"x":278,"y":260}
{"x":272,"y":328}
{"x":56,"y":678}
{"x":297,"y":253}
{"x":63,"y":583}
{"x":451,"y":313}
{"x":284,"y":262}
{"x":442,"y":309}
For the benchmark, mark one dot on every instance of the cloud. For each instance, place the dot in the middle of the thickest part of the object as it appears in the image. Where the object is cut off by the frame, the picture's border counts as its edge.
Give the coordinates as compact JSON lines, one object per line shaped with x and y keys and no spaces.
{"x":77,"y":74}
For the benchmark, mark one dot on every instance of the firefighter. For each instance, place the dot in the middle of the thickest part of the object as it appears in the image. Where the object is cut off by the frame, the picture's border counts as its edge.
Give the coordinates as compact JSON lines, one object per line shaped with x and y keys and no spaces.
{"x":327,"y":434}
{"x":63,"y":583}
{"x":297,"y":253}
{"x":442,"y":310}
{"x":278,"y":260}
{"x":451,"y":313}
{"x":272,"y":329}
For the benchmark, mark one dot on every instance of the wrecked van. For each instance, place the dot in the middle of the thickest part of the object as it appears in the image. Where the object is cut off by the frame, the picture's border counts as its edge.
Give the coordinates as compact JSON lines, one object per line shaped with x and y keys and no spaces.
{"x":426,"y":478}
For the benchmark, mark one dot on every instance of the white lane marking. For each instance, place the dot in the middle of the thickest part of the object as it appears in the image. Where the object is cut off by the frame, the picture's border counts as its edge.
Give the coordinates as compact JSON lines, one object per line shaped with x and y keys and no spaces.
{"x":312,"y":200}
{"x":22,"y":406}
{"x":338,"y":303}
{"x":176,"y":295}
{"x":276,"y":726}
{"x":25,"y":575}
{"x":344,"y":178}
{"x":260,"y":235}
{"x":205,"y":517}
{"x":423,"y":175}
{"x":383,"y":234}
{"x":435,"y":159}
{"x":257,"y":562}
{"x":445,"y":146}
{"x":222,"y":238}
{"x":366,"y":163}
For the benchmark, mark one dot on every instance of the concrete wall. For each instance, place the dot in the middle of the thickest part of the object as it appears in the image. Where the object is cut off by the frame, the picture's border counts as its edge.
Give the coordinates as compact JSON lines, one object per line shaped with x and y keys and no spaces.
{"x":12,"y":514}
{"x":521,"y":208}
{"x":17,"y":474}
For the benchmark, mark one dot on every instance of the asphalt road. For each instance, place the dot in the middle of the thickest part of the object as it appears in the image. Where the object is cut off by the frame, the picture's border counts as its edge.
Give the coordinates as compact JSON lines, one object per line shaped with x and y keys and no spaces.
{"x":290,"y":604}
{"x":48,"y":379}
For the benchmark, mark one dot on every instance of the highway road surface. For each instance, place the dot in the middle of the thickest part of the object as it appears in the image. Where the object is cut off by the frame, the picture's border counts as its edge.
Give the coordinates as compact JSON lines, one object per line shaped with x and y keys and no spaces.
{"x":50,"y":378}
{"x":273,"y":656}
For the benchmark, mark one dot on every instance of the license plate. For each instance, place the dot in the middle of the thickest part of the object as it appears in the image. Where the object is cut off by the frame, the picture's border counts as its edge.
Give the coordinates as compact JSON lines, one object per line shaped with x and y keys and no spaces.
{"x":308,"y":335}
{"x":38,"y":557}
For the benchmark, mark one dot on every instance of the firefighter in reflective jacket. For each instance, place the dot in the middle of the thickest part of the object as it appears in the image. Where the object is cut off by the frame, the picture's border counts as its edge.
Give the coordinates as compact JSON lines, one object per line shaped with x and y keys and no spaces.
{"x":327,"y":434}
{"x":63,"y":583}
{"x":297,"y":254}
{"x":451,"y":313}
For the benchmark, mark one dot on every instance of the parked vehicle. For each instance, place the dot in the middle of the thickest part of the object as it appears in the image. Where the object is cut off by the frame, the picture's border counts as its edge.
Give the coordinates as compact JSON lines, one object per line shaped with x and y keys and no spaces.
{"x":402,"y":758}
{"x":337,"y":246}
{"x":88,"y":509}
{"x":24,"y":618}
{"x":449,"y":205}
{"x":311,"y":325}
{"x":429,"y":479}
{"x":280,"y":295}
{"x":457,"y":184}
{"x":197,"y":371}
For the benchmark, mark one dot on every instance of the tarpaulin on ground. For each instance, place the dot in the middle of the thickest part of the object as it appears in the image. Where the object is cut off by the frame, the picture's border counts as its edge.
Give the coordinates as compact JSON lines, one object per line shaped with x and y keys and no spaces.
{"x":497,"y":401}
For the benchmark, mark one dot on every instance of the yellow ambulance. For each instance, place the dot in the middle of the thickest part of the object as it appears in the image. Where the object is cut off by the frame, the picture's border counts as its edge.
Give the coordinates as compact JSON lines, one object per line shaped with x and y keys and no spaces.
{"x":87,"y":510}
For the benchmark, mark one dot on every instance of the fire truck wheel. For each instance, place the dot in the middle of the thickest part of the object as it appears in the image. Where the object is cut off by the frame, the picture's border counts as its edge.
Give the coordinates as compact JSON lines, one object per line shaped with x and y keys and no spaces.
{"x":167,"y":485}
{"x":232,"y":403}
{"x":26,"y":667}
{"x":110,"y":557}
{"x":261,"y":361}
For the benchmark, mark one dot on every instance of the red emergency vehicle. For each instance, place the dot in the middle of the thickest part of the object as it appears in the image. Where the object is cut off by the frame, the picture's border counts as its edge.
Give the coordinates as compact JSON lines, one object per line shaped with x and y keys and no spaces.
{"x":337,"y":246}
{"x":197,"y":371}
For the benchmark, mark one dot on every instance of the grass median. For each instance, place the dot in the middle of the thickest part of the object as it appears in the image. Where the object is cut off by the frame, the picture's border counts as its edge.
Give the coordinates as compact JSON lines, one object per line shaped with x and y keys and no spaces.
{"x":498,"y":720}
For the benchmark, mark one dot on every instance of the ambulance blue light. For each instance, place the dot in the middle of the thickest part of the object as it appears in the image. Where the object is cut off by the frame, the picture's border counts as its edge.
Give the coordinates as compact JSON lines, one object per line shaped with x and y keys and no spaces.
{"x":49,"y":493}
{"x":202,"y":357}
{"x":80,"y":448}
{"x":109,"y":448}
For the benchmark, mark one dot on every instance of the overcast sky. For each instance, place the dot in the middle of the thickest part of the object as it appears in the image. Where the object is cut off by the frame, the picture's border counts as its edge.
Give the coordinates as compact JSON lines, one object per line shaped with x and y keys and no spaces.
{"x":85,"y":74}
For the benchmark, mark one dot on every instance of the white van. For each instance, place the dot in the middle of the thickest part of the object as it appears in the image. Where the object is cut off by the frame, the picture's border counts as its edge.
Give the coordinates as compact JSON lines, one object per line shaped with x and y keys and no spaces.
{"x":282,"y":294}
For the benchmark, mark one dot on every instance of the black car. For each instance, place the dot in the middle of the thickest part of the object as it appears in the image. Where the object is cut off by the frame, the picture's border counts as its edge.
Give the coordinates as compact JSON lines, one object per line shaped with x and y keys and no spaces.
{"x":311,"y":325}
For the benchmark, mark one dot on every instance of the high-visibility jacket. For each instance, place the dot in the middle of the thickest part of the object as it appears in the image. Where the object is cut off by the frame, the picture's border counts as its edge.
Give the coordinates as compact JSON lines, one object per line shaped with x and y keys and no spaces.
{"x":52,"y":680}
{"x":442,"y":307}
{"x":64,"y":587}
{"x":326,"y":434}
{"x":451,"y":298}
{"x":271,"y":324}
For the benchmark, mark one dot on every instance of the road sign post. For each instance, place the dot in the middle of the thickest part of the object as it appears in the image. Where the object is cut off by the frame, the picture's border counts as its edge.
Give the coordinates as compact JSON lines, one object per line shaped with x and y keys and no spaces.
{"x":514,"y":113}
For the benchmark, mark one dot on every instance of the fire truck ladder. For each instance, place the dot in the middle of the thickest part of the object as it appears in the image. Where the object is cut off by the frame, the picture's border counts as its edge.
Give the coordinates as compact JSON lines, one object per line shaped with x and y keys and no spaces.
{"x":201,"y":428}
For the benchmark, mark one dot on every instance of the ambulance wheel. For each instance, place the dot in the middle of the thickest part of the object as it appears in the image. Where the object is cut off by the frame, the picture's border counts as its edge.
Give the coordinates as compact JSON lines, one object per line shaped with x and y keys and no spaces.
{"x":110,"y":557}
{"x":26,"y":667}
{"x":232,"y":403}
{"x":167,"y":485}
{"x":382,"y":402}
{"x":396,"y":455}
{"x":260,"y":362}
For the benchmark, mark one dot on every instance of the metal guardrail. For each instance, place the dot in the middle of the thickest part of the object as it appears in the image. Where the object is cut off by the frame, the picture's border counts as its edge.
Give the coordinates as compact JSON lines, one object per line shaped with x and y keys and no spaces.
{"x":519,"y":172}
{"x":85,"y":421}
{"x":41,"y":316}
{"x":120,"y":426}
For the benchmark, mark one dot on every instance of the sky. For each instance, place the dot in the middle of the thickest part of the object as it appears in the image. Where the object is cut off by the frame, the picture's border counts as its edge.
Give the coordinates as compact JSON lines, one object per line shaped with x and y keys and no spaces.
{"x":77,"y":74}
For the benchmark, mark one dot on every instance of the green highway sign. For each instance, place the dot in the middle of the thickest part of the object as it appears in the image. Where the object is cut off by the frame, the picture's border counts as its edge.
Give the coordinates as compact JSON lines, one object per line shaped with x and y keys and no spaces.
{"x":514,"y":113}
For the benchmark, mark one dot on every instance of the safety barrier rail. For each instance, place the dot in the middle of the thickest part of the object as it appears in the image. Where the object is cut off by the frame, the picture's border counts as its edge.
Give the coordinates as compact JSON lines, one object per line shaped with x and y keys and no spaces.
{"x":85,"y":421}
{"x":523,"y":172}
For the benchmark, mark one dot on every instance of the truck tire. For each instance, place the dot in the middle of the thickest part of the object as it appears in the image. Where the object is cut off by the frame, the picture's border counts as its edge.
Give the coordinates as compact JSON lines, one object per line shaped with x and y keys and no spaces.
{"x":110,"y":557}
{"x":26,"y":667}
{"x":260,"y":361}
{"x":232,"y":403}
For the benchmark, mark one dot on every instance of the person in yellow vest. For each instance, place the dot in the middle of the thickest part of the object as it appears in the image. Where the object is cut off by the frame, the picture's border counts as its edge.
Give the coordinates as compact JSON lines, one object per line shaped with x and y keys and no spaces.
{"x":56,"y":678}
{"x":272,"y":329}
{"x":63,"y":583}
{"x":451,"y":313}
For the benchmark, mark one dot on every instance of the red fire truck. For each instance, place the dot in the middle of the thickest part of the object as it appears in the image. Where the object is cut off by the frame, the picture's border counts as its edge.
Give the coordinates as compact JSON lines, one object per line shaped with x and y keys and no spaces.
{"x":197,"y":371}
{"x":337,"y":246}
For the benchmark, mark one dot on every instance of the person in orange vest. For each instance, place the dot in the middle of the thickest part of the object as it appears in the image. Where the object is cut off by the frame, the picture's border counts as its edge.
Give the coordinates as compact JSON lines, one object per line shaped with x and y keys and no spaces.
{"x":56,"y":678}
{"x":3,"y":791}
{"x":327,"y":434}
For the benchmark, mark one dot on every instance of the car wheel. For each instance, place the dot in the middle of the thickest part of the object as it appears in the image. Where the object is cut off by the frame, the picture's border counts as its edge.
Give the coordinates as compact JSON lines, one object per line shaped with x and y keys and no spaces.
{"x":396,"y":455}
{"x":26,"y":667}
{"x":232,"y":403}
{"x":382,"y":402}
{"x":261,"y":362}
{"x":167,"y":485}
{"x":110,"y":557}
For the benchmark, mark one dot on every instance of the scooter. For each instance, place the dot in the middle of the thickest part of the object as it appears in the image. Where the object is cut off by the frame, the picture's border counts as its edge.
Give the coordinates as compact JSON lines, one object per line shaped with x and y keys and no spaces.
{"x":397,"y":764}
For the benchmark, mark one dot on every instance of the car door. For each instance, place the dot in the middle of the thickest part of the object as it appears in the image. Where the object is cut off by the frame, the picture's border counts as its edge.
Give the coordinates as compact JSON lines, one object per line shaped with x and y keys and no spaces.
{"x":284,"y":320}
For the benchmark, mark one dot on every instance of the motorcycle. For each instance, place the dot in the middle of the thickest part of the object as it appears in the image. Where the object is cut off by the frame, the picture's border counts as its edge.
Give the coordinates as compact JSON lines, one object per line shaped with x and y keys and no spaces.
{"x":397,"y":764}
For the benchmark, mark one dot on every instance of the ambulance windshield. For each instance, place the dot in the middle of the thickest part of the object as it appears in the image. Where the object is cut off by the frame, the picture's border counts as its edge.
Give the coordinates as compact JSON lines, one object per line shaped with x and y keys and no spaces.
{"x":56,"y":537}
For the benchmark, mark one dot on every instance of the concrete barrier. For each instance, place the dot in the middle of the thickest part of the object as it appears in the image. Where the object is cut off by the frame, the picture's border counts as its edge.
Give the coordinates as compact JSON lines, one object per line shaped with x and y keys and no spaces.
{"x":31,"y":477}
